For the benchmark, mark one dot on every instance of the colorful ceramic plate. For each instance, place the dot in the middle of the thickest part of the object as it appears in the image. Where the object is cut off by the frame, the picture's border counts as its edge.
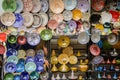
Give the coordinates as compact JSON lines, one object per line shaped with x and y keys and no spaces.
{"x":9,"y":5}
{"x":95,"y":50}
{"x":54,"y":60}
{"x":19,"y":20}
{"x":20,"y":68}
{"x":19,"y":6}
{"x":11,"y":51}
{"x":8,"y":76}
{"x":21,"y":54}
{"x":39,"y":59}
{"x":37,"y":20}
{"x":28,"y":19}
{"x":40,"y":67}
{"x":77,"y":14}
{"x":8,"y":18}
{"x":70,"y":4}
{"x":10,"y":67}
{"x":34,"y":75}
{"x":33,"y":39}
{"x":67,"y":15}
{"x":44,"y":18}
{"x":52,"y":24}
{"x":28,"y":5}
{"x":63,"y":58}
{"x":12,"y":59}
{"x":83,"y":5}
{"x":36,"y":6}
{"x":44,"y":5}
{"x":24,"y":75}
{"x":30,"y":66}
{"x":58,"y":17}
{"x":29,"y":59}
{"x":46,"y":34}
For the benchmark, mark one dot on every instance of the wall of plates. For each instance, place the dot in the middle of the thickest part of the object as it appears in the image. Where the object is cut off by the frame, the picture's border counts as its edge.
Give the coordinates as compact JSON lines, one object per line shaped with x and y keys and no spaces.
{"x":59,"y":39}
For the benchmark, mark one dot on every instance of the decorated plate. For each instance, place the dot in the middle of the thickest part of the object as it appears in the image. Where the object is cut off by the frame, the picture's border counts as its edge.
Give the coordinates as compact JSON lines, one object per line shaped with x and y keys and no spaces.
{"x":70,"y":4}
{"x":56,"y":6}
{"x":19,"y":6}
{"x":30,"y":52}
{"x":12,"y":59}
{"x":9,"y":5}
{"x":21,"y":54}
{"x":19,"y":20}
{"x":1,"y":9}
{"x":2,"y":49}
{"x":83,"y":5}
{"x":30,"y":66}
{"x":24,"y":75}
{"x":95,"y":50}
{"x":67,"y":15}
{"x":28,"y":5}
{"x":8,"y":76}
{"x":20,"y":68}
{"x":36,"y":6}
{"x":83,"y":38}
{"x":63,"y":58}
{"x":39,"y":59}
{"x":37,"y":20}
{"x":44,"y":5}
{"x":29,"y":59}
{"x":44,"y":18}
{"x":46,"y":34}
{"x":77,"y":14}
{"x":8,"y":18}
{"x":72,"y":25}
{"x":11,"y":51}
{"x":34,"y":75}
{"x":33,"y":39}
{"x":10,"y":67}
{"x":40,"y":67}
{"x":95,"y":37}
{"x":73,"y":59}
{"x":58,"y":17}
{"x":52,"y":24}
{"x":12,"y":39}
{"x":28,"y":19}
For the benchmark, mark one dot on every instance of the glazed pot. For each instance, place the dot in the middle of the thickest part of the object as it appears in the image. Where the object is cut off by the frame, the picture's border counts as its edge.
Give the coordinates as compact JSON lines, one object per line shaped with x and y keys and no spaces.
{"x":12,"y":39}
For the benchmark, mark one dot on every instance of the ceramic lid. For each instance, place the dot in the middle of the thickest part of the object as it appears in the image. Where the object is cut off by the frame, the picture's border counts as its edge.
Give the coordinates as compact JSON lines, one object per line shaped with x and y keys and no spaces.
{"x":67,"y":15}
{"x":9,"y":5}
{"x":70,"y":4}
{"x":30,"y":66}
{"x":44,"y":5}
{"x":12,"y":39}
{"x":46,"y":34}
{"x":21,"y":40}
{"x":19,"y":20}
{"x":12,"y":59}
{"x":83,"y":38}
{"x":28,"y":19}
{"x":19,"y":6}
{"x":33,"y":39}
{"x":52,"y":24}
{"x":10,"y":67}
{"x":44,"y":18}
{"x":8,"y":18}
{"x":56,"y":6}
{"x":36,"y":6}
{"x":37,"y":20}
{"x":28,"y":5}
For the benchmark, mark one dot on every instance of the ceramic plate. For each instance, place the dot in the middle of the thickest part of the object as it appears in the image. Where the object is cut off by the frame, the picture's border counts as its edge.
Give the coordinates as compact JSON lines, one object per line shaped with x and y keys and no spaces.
{"x":21,"y":53}
{"x":36,"y":6}
{"x":1,"y":9}
{"x":58,"y":17}
{"x":19,"y":6}
{"x":13,"y":59}
{"x":67,"y":15}
{"x":11,"y":51}
{"x":30,"y":66}
{"x":44,"y":18}
{"x":19,"y":20}
{"x":30,"y":52}
{"x":10,"y":67}
{"x":44,"y":5}
{"x":63,"y":58}
{"x":8,"y":18}
{"x":37,"y":20}
{"x":28,"y":19}
{"x":28,"y":5}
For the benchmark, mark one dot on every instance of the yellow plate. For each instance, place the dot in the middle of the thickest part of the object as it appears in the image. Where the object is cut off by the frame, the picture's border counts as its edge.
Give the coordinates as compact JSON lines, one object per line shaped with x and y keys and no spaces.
{"x":54,"y":60}
{"x":73,"y":59}
{"x":63,"y":58}
{"x":68,"y":51}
